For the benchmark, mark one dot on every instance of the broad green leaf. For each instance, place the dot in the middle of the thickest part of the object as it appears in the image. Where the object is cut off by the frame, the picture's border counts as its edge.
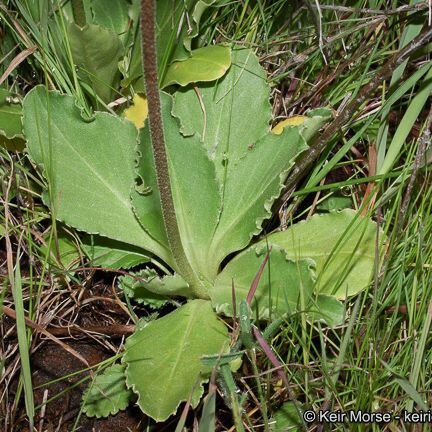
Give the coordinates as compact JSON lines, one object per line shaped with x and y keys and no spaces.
{"x":96,"y":52}
{"x":189,"y":29}
{"x":177,"y":25}
{"x":287,"y":419}
{"x":89,"y":167}
{"x":145,"y":195}
{"x":135,"y":290}
{"x":335,"y":202}
{"x":168,"y":20}
{"x":195,"y":191}
{"x":107,"y":394}
{"x":147,"y":287}
{"x":341,"y":243}
{"x":114,"y":16}
{"x":64,"y":250}
{"x":107,"y":253}
{"x":327,"y":309}
{"x":10,"y":115}
{"x":174,"y":32}
{"x":11,"y":136}
{"x":234,"y":116}
{"x":252,"y":184}
{"x":285,"y":286}
{"x":250,"y":162}
{"x":164,"y":358}
{"x":131,"y":66}
{"x":204,"y":64}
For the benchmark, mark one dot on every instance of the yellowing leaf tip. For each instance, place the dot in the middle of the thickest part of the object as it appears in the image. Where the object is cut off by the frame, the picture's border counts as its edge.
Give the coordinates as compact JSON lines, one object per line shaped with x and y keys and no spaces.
{"x":138,"y":111}
{"x":290,"y":121}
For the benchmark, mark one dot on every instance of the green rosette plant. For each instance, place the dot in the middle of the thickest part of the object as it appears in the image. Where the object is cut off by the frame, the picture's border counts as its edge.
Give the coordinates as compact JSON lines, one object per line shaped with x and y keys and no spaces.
{"x":225,"y":170}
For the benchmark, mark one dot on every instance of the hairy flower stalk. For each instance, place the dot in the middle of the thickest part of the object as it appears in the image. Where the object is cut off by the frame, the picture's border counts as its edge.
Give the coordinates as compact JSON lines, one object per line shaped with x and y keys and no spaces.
{"x":159,"y":150}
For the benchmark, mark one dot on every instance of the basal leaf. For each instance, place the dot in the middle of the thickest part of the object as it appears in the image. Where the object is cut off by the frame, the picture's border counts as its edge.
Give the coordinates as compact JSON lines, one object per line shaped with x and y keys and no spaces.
{"x":175,"y":30}
{"x":176,"y":24}
{"x":327,"y":309}
{"x":147,"y":287}
{"x":114,"y":17}
{"x":169,"y":18}
{"x":163,"y":359}
{"x":195,"y":191}
{"x":96,"y":52}
{"x":107,"y":253}
{"x":145,"y":195}
{"x":290,"y":121}
{"x":89,"y":167}
{"x":287,"y":419}
{"x":10,"y":115}
{"x":137,"y":113}
{"x":204,"y":64}
{"x":134,"y":286}
{"x":341,"y":243}
{"x":228,"y":116}
{"x":250,"y":162}
{"x":108,"y":393}
{"x":11,"y":136}
{"x":252,"y":184}
{"x":285,"y":286}
{"x":63,"y":252}
{"x":335,"y":202}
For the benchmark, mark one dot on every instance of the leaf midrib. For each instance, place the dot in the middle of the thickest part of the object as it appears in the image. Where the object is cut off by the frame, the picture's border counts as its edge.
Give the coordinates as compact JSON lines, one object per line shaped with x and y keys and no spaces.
{"x":186,"y":334}
{"x":113,"y":191}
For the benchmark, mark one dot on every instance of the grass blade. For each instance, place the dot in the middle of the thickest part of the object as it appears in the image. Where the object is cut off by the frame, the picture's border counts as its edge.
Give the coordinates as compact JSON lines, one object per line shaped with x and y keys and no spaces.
{"x":407,"y":122}
{"x":23,"y":345}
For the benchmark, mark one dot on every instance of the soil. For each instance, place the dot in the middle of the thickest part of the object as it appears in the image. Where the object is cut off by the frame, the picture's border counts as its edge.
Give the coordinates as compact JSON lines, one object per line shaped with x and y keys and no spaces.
{"x":51,"y":362}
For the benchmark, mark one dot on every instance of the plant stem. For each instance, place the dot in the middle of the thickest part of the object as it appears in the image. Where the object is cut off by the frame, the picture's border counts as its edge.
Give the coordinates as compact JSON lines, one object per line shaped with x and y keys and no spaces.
{"x":343,"y":118}
{"x":159,"y":150}
{"x":78,"y":12}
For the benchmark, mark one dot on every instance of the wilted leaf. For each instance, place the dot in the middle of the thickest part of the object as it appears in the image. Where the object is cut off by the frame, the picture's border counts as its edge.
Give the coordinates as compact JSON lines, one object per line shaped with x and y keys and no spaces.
{"x":204,"y":64}
{"x":163,"y":359}
{"x":108,"y":393}
{"x":290,"y":121}
{"x":138,"y":112}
